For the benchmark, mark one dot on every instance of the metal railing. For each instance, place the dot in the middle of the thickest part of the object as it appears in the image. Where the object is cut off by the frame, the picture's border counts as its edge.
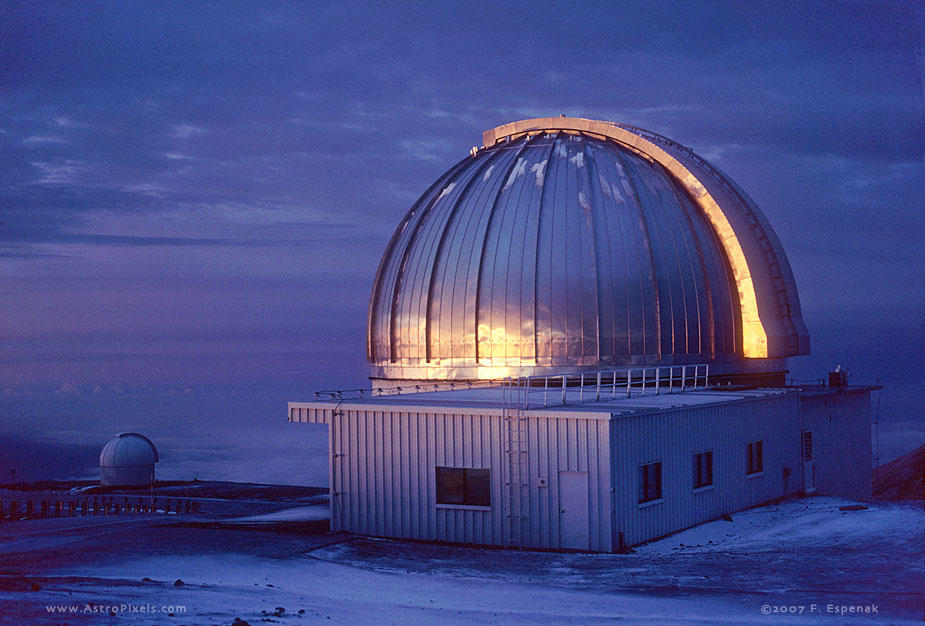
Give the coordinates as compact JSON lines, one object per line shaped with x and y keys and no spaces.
{"x":542,"y":391}
{"x":547,"y":390}
{"x":337,"y":395}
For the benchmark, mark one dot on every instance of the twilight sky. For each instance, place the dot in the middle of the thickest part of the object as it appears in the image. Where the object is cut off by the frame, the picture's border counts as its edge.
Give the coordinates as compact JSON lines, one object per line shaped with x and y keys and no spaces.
{"x":194,"y":195}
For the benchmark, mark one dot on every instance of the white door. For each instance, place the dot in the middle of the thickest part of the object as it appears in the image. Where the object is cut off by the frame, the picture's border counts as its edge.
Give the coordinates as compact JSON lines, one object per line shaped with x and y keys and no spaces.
{"x":574,"y":531}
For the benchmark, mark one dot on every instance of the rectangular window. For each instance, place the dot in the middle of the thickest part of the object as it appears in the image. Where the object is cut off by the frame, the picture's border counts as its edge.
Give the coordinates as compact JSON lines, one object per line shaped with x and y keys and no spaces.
{"x":463,"y":485}
{"x":650,"y":482}
{"x":808,"y":446}
{"x":754,"y":462}
{"x":703,"y":469}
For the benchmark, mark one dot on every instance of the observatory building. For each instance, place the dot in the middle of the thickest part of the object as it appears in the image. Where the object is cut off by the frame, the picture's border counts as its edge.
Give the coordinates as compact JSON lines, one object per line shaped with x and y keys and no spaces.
{"x":128,"y":459}
{"x":578,"y":339}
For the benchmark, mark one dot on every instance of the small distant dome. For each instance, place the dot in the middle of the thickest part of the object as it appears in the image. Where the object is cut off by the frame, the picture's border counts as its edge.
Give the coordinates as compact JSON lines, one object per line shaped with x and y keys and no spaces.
{"x":128,"y":460}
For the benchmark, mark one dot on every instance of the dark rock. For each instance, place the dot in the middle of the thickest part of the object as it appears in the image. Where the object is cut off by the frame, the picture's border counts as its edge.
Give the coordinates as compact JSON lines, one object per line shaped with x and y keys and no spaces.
{"x":853,"y":507}
{"x":178,"y":583}
{"x":727,"y":518}
{"x":903,"y":478}
{"x":147,"y":580}
{"x":239,"y":622}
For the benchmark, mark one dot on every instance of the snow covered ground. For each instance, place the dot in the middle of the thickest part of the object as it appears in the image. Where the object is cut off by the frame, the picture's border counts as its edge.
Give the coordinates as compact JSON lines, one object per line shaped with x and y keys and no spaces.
{"x":807,"y":554}
{"x":293,"y":514}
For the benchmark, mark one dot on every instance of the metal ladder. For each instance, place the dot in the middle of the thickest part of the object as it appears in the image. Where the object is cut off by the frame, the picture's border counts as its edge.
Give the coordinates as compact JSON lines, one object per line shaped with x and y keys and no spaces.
{"x":516,"y":479}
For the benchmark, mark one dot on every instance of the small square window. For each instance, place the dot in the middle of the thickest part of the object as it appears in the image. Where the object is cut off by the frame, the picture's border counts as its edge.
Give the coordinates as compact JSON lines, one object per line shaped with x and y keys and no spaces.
{"x":703,"y":469}
{"x":650,"y":482}
{"x":754,"y":460}
{"x":463,"y":485}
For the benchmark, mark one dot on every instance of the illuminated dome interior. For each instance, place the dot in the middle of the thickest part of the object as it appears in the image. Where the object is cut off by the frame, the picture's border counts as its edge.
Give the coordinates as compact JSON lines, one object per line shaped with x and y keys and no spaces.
{"x":566,"y":244}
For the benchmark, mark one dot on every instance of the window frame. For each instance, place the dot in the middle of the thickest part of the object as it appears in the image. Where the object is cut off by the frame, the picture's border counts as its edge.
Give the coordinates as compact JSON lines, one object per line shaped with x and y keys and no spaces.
{"x":643,"y":483}
{"x":754,"y":461}
{"x":698,"y":480}
{"x":468,"y":501}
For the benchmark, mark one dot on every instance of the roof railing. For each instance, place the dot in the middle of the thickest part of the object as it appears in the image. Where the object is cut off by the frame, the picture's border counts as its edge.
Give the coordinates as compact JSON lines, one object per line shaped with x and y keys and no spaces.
{"x":550,"y":390}
{"x":337,"y":395}
{"x":531,"y":392}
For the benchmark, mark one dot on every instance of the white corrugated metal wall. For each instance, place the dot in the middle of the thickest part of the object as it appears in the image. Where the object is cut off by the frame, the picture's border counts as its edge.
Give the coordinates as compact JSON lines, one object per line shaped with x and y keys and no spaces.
{"x":383,"y":473}
{"x":569,"y":444}
{"x":840,"y":423}
{"x":673,"y":436}
{"x":383,"y":467}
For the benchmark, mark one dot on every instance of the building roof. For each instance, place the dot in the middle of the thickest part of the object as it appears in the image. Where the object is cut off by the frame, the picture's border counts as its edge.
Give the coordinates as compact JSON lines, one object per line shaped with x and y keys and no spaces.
{"x":570,"y":244}
{"x":579,"y":403}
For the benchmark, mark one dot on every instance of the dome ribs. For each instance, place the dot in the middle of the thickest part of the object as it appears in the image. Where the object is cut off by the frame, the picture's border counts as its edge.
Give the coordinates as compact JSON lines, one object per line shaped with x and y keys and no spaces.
{"x":411,"y":293}
{"x":542,"y":334}
{"x":704,"y":274}
{"x":576,"y":245}
{"x":590,"y":208}
{"x":646,"y":244}
{"x":438,"y":254}
{"x":481,"y":340}
{"x":389,"y":273}
{"x":531,"y":258}
{"x":606,"y":304}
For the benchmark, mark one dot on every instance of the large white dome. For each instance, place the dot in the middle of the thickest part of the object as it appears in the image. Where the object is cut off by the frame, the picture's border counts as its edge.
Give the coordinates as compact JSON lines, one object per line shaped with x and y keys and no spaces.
{"x":566,"y":244}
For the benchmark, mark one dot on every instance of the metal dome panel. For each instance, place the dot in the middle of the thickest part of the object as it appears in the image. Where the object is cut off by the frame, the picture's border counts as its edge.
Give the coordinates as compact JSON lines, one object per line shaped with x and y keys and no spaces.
{"x":553,"y":249}
{"x":128,"y":450}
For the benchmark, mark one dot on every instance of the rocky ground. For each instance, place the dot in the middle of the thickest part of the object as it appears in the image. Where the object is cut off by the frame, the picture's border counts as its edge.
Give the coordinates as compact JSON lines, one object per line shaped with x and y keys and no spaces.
{"x":803,"y":560}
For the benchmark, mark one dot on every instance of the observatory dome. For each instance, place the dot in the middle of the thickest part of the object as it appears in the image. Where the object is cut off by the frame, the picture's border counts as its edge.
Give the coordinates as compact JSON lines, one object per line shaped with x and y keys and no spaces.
{"x":565,"y":244}
{"x":128,"y":459}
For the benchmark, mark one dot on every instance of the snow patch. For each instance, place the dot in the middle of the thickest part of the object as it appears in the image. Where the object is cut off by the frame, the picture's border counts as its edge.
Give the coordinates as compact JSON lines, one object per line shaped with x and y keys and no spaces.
{"x":295,"y":514}
{"x":540,"y":170}
{"x":519,"y":170}
{"x":446,"y":190}
{"x":583,"y":202}
{"x":609,"y":190}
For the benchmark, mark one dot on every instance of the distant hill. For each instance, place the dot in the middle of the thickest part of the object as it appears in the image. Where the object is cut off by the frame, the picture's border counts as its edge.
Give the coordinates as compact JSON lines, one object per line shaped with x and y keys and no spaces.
{"x":903,"y":478}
